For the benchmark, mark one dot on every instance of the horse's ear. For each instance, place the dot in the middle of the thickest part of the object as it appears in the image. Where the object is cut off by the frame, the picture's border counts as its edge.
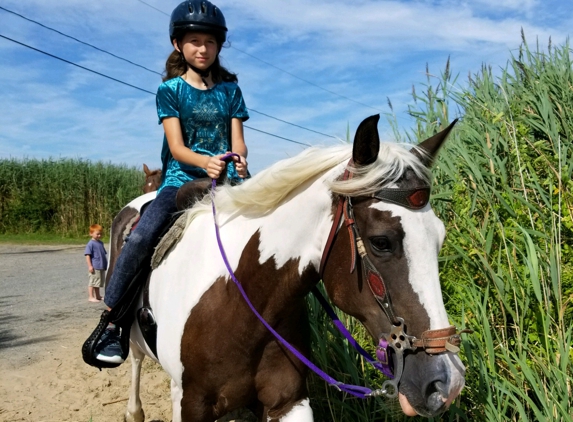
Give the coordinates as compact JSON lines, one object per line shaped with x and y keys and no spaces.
{"x":146,"y":169}
{"x":366,"y":141}
{"x":432,"y":145}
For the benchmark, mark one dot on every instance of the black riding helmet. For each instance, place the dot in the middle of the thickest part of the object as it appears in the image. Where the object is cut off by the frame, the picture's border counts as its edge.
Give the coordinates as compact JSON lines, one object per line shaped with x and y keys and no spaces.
{"x":200,"y":16}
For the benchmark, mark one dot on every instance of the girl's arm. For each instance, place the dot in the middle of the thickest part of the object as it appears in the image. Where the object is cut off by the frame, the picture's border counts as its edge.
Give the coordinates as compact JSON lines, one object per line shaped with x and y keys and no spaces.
{"x":238,"y":146}
{"x":172,"y":127}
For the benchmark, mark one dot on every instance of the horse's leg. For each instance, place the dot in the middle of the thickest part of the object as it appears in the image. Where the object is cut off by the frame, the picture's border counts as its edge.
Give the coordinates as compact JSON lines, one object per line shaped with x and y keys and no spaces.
{"x":282,"y":391}
{"x":176,"y":395}
{"x":194,"y":408}
{"x":300,"y":412}
{"x":134,"y":411}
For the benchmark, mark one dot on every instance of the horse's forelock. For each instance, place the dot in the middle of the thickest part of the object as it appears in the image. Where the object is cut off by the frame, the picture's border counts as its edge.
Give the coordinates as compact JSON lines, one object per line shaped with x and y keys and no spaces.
{"x":392,"y":162}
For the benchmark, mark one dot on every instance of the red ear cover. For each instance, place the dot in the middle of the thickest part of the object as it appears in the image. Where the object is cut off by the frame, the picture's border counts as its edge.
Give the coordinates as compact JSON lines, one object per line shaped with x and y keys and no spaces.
{"x":376,"y":284}
{"x":419,"y":198}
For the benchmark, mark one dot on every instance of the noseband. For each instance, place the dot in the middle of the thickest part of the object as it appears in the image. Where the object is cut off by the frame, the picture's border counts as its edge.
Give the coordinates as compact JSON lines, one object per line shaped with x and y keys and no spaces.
{"x":431,"y":341}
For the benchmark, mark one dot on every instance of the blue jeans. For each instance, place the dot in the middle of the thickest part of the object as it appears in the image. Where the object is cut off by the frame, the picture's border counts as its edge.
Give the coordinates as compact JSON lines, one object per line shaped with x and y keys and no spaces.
{"x":141,"y":243}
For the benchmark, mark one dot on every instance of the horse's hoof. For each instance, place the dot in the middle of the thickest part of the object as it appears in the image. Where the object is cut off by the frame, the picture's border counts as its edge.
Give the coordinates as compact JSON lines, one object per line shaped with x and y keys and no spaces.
{"x":138,"y":416}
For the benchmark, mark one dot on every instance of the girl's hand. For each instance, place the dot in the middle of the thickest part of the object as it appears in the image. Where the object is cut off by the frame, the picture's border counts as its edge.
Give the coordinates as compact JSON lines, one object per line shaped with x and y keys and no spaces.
{"x":215,"y":166}
{"x":241,"y":166}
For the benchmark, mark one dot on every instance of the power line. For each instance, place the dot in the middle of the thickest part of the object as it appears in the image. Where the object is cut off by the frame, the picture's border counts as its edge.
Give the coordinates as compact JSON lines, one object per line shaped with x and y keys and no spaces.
{"x":154,"y":8}
{"x":145,"y":68}
{"x":277,"y":136}
{"x":304,"y":80}
{"x":278,"y":68}
{"x":125,"y":83}
{"x":75,"y":64}
{"x":80,"y":41}
{"x":292,"y":124}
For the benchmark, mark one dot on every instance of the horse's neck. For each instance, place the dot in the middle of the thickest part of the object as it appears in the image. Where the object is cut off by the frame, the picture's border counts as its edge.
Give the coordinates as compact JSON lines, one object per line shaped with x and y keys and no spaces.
{"x":293,"y":233}
{"x":275,"y":257}
{"x":298,"y":228}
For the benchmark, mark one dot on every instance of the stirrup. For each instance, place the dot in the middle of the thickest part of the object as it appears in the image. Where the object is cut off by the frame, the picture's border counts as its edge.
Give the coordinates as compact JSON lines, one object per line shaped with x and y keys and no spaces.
{"x":148,"y":327}
{"x":89,"y":347}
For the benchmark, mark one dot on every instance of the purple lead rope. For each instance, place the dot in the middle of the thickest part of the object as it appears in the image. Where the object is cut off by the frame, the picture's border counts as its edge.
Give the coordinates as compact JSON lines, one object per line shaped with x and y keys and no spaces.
{"x":355,"y":390}
{"x":381,"y":352}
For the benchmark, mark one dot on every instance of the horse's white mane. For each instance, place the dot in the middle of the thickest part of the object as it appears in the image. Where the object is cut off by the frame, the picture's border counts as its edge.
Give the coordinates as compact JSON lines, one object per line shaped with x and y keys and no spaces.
{"x":266,"y":190}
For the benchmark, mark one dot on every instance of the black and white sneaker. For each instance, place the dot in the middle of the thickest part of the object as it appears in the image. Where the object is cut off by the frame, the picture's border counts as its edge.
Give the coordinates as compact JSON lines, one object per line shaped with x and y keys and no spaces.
{"x":109,"y":347}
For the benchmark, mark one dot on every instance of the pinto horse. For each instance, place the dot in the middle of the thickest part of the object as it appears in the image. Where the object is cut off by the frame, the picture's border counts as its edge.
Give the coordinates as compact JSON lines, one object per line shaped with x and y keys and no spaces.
{"x":275,"y":231}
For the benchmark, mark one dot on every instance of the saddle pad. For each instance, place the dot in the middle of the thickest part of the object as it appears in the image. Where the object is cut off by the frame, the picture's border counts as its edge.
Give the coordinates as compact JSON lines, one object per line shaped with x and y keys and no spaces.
{"x":169,"y":240}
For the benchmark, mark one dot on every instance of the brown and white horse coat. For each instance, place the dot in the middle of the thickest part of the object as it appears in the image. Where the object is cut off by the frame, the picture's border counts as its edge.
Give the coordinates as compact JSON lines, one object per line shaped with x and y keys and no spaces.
{"x":274,"y":228}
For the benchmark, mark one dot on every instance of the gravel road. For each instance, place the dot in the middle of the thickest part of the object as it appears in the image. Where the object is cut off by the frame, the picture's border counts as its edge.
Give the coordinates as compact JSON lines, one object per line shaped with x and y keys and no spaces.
{"x":43,"y":290}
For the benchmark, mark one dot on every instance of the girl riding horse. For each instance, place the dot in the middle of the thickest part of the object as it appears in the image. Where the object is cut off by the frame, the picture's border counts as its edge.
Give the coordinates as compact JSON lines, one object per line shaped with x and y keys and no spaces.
{"x":202,"y":111}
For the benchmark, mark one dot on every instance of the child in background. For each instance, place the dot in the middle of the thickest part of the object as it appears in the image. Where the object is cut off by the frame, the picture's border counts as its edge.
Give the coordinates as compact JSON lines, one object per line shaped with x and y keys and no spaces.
{"x":97,"y":263}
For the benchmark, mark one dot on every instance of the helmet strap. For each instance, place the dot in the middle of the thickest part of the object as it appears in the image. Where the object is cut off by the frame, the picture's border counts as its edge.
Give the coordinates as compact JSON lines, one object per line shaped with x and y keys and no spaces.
{"x":202,"y":73}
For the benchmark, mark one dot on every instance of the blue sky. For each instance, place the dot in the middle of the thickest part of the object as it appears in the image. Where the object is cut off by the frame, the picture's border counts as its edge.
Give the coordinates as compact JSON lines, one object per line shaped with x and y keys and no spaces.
{"x":321,"y":64}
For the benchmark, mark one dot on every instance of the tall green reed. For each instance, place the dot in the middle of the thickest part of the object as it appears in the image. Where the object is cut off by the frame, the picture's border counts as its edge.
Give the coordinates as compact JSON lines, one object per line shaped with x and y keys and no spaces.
{"x":63,"y":196}
{"x":507,"y":262}
{"x":502,"y":185}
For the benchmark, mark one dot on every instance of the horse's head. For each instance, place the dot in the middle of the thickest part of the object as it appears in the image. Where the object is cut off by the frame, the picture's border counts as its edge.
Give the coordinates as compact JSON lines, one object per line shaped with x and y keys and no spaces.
{"x":152,"y":179}
{"x":384,"y":270}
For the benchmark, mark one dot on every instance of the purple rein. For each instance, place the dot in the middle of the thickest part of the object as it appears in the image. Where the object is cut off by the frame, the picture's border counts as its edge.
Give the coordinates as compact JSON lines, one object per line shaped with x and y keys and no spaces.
{"x":383,"y":365}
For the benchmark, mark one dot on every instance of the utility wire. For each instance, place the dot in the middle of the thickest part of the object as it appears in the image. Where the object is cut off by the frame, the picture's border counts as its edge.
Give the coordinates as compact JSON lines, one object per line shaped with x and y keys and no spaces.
{"x":154,"y":8}
{"x":145,"y":68}
{"x":75,"y":64}
{"x":278,"y":68}
{"x":304,"y":80}
{"x":277,"y":136}
{"x":80,"y":41}
{"x":127,"y":84}
{"x":292,"y":124}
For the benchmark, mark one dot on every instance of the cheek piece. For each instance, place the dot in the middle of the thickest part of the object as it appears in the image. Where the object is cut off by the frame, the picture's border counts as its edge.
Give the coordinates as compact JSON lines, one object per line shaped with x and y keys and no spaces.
{"x":431,"y":341}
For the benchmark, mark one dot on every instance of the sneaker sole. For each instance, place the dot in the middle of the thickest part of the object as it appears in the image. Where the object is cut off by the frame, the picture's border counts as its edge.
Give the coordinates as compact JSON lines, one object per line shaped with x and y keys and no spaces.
{"x":110,"y":359}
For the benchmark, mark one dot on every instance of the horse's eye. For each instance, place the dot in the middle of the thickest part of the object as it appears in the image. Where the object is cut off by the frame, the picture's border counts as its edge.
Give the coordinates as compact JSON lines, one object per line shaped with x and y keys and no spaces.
{"x":381,"y":244}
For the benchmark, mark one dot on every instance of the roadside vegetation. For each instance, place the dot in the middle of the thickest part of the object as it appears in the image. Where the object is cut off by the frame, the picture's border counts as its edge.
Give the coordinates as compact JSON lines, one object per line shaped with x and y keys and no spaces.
{"x":503,"y":187}
{"x":57,"y":200}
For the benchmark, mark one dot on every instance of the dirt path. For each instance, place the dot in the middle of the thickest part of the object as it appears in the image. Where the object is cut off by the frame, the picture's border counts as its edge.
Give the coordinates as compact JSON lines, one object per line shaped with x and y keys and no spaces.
{"x":44,"y":319}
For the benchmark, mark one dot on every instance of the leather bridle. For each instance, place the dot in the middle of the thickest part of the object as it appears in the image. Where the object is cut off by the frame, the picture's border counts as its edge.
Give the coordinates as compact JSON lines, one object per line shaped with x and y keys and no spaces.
{"x":431,"y":341}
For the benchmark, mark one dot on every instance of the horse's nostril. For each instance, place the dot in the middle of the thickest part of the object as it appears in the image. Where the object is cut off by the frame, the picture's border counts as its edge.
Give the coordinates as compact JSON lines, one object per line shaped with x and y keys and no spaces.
{"x":436,"y":396}
{"x":441,"y":388}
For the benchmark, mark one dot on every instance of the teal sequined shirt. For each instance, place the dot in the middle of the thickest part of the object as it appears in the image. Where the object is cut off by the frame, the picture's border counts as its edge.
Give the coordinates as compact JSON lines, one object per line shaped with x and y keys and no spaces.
{"x":205,"y":117}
